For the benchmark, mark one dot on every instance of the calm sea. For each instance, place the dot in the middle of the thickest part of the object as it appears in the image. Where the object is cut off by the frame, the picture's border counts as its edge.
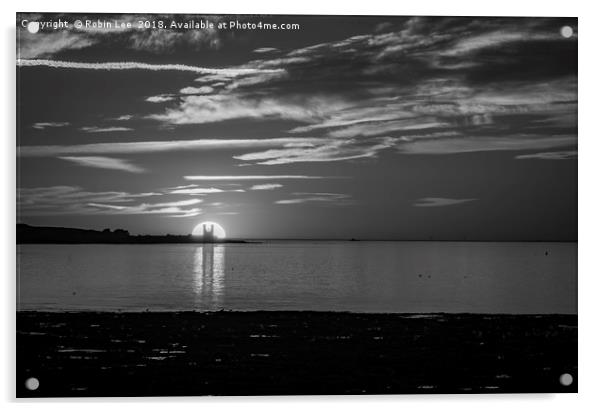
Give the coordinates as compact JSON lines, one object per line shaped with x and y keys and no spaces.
{"x":415,"y":277}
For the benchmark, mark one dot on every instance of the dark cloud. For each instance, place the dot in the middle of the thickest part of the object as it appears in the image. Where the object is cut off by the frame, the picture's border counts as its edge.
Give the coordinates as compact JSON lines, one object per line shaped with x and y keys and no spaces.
{"x":441,"y":202}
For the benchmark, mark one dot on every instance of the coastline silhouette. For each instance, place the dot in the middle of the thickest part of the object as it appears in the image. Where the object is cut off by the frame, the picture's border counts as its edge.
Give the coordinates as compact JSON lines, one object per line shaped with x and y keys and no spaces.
{"x":27,"y":234}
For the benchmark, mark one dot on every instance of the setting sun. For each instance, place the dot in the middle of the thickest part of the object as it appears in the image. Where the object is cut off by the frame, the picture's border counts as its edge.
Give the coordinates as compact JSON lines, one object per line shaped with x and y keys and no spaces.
{"x":218,"y":230}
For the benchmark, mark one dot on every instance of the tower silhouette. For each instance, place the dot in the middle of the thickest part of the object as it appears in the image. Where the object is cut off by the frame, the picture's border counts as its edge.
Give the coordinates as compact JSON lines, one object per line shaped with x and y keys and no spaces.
{"x":208,"y":234}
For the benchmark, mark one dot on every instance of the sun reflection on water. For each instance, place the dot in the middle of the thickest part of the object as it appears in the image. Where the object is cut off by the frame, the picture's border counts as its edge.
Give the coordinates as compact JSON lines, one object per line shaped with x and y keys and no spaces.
{"x":209,"y":260}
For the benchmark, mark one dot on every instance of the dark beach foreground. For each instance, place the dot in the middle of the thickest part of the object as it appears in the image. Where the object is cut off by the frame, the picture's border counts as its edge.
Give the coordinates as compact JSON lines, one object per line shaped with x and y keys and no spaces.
{"x":292,"y":353}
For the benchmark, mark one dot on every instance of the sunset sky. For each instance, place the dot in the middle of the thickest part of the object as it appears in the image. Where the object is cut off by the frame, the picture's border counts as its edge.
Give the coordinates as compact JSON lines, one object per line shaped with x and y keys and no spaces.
{"x":365,"y":127}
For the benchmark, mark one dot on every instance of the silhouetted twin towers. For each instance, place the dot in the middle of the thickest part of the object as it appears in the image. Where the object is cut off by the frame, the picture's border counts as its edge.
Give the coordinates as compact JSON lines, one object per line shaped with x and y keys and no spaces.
{"x":208,"y":234}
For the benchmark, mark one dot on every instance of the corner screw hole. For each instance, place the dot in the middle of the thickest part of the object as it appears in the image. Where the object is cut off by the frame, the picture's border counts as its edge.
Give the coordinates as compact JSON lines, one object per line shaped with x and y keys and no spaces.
{"x":566,"y":379}
{"x":32,"y":384}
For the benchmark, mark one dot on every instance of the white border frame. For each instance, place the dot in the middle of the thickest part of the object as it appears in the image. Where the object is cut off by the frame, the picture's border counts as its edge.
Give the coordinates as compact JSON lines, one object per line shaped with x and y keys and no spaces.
{"x":590,"y":229}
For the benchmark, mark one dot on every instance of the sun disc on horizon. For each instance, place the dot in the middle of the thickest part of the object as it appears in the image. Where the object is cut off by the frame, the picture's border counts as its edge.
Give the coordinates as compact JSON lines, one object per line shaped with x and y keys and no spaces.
{"x":218,"y":230}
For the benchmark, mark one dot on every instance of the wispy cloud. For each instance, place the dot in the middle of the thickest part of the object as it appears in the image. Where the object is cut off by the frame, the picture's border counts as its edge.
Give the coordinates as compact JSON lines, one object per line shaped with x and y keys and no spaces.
{"x":42,"y":126}
{"x":193,"y":212}
{"x":130,"y":65}
{"x":125,"y":117}
{"x":287,"y":150}
{"x":387,"y":127}
{"x":162,"y":41}
{"x":65,"y":199}
{"x":254,"y":177}
{"x":66,"y":194}
{"x":161,"y":146}
{"x":197,"y":190}
{"x":73,"y":200}
{"x":32,"y":46}
{"x":441,"y":201}
{"x":472,"y":144}
{"x":324,"y":198}
{"x":161,"y":98}
{"x":263,"y":50}
{"x":551,"y":155}
{"x":495,"y":38}
{"x":199,"y":109}
{"x":49,"y":42}
{"x":107,"y":163}
{"x":96,"y":129}
{"x":197,"y":90}
{"x":325,"y":150}
{"x":359,"y":115}
{"x":271,"y":186}
{"x":174,"y":208}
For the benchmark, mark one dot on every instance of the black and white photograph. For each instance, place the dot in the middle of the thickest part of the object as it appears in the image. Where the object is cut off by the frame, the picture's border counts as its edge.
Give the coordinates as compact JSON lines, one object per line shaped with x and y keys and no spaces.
{"x":262,"y":205}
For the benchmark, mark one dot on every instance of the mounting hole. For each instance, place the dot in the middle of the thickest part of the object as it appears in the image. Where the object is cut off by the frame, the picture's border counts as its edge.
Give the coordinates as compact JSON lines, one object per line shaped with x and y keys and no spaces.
{"x":33,"y":27}
{"x":32,"y":384}
{"x":566,"y":32}
{"x":566,"y":379}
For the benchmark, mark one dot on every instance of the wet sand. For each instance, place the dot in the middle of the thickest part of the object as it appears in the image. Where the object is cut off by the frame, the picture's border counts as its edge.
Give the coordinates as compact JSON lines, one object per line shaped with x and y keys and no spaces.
{"x":292,"y":353}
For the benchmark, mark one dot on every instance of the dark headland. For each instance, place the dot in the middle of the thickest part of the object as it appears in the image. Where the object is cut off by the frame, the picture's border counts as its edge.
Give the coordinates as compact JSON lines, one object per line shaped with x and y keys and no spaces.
{"x":27,"y":234}
{"x":286,"y":353}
